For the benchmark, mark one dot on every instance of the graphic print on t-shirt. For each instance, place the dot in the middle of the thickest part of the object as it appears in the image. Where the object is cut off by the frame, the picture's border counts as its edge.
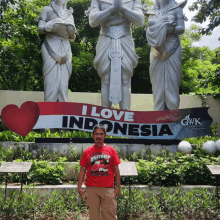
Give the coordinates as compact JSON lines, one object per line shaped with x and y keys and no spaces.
{"x":99,"y":164}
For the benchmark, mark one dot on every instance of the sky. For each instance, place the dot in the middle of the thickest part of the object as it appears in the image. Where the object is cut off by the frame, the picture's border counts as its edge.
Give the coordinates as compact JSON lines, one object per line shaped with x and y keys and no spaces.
{"x":210,"y":41}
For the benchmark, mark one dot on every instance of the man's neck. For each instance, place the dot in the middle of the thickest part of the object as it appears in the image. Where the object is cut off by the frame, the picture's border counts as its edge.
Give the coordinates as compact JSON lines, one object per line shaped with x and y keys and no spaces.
{"x":99,"y":145}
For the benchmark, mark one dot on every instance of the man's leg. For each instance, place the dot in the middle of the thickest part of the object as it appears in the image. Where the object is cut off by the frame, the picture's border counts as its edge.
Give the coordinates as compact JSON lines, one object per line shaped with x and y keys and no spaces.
{"x":93,"y":202}
{"x":105,"y":84}
{"x":126,"y":91}
{"x":108,"y":204}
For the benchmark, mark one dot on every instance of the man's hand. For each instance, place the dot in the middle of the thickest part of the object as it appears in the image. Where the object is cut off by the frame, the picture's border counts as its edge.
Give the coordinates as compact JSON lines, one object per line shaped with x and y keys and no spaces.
{"x":82,"y":193}
{"x":117,"y":192}
{"x":118,"y":181}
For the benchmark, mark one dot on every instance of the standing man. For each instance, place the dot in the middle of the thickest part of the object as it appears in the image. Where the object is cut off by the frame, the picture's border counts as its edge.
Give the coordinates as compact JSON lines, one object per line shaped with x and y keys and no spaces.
{"x":100,"y":163}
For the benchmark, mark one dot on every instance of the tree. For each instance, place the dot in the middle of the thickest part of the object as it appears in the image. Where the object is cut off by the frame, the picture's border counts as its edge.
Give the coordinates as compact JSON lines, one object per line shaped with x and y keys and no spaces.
{"x":20,"y":60}
{"x":214,"y":78}
{"x":140,"y":81}
{"x":84,"y":77}
{"x":20,"y":47}
{"x":207,"y":9}
{"x":197,"y":64}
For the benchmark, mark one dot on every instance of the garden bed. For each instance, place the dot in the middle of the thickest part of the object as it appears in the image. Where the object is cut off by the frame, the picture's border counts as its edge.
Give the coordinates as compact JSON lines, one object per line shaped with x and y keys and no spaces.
{"x":163,"y":169}
{"x":166,"y":204}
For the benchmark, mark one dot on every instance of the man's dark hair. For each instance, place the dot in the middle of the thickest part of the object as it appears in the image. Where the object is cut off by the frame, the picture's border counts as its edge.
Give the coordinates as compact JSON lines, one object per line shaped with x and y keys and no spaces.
{"x":101,"y":126}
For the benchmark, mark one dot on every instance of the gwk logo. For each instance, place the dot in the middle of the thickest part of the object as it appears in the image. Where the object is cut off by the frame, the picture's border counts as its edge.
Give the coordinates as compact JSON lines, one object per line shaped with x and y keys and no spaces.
{"x":187,"y":121}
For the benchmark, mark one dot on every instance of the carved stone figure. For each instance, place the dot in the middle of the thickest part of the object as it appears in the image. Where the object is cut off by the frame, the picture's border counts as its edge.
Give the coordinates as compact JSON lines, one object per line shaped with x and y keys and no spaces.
{"x":166,"y":22}
{"x":58,"y":24}
{"x":115,"y":57}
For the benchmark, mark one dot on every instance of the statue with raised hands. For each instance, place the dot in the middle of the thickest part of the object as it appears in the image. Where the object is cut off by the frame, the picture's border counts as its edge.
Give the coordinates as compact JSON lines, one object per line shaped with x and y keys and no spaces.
{"x":166,"y":22}
{"x":58,"y":24}
{"x":115,"y":56}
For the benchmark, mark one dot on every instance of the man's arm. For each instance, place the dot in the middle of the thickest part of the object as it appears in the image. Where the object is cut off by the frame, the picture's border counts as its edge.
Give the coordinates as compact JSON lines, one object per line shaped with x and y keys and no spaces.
{"x":80,"y":181}
{"x":118,"y":181}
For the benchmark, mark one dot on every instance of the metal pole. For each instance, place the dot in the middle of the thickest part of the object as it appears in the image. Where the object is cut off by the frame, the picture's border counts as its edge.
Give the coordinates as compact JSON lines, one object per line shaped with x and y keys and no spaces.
{"x":21,"y":181}
{"x":129,"y":188}
{"x":6,"y":182}
{"x":217,"y":194}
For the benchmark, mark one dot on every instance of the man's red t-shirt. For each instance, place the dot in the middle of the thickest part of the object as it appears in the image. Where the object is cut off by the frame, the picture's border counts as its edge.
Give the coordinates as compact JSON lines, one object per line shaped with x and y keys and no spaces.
{"x":99,"y":162}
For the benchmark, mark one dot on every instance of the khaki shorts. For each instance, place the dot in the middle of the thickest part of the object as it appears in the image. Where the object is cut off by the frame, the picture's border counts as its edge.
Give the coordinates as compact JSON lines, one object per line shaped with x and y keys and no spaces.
{"x":104,"y":197}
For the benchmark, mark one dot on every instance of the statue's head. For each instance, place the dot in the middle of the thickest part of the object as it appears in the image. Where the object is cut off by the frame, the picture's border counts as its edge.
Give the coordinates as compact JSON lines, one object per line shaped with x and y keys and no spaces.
{"x":64,"y":2}
{"x":158,"y":2}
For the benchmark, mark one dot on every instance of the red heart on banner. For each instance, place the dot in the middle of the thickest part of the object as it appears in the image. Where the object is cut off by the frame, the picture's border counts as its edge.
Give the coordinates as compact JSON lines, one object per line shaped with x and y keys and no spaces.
{"x":21,"y":121}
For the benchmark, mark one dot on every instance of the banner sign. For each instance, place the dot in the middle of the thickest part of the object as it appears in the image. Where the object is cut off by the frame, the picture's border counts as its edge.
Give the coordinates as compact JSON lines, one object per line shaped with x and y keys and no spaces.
{"x":168,"y":124}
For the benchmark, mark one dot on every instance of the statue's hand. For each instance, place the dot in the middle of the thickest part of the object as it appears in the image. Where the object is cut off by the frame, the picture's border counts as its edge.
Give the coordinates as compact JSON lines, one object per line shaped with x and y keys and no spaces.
{"x":55,"y":28}
{"x":120,"y":5}
{"x":71,"y":29}
{"x":117,"y":6}
{"x":171,"y":28}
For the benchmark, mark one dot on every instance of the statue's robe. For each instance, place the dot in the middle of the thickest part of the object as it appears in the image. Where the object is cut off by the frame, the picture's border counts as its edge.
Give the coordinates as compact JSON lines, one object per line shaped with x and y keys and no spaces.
{"x":165,"y":62}
{"x":57,"y":67}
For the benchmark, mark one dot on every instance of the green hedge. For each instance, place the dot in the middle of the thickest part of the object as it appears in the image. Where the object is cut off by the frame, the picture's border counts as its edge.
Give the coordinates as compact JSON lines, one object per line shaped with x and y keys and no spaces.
{"x":153,"y":173}
{"x":163,"y":169}
{"x":30,"y":137}
{"x":187,"y":170}
{"x":40,"y":172}
{"x":173,"y":173}
{"x":157,"y":173}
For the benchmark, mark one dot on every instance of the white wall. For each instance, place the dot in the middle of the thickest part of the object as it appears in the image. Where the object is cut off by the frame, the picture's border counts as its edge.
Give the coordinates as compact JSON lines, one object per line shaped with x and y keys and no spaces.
{"x":139,"y":102}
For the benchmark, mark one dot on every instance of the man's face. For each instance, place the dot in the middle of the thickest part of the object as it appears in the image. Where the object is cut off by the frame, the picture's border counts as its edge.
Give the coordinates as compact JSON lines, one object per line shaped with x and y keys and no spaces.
{"x":99,"y":136}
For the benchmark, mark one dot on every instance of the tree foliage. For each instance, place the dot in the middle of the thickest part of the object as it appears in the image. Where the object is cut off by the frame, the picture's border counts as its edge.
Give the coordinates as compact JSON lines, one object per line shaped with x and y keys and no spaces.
{"x":207,"y":9}
{"x":20,"y":66}
{"x":198,"y":65}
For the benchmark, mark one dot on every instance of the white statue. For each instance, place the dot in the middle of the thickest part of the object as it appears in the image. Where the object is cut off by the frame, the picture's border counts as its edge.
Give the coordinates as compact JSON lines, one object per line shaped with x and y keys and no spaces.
{"x":115,"y":57}
{"x":166,"y":22}
{"x":58,"y":24}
